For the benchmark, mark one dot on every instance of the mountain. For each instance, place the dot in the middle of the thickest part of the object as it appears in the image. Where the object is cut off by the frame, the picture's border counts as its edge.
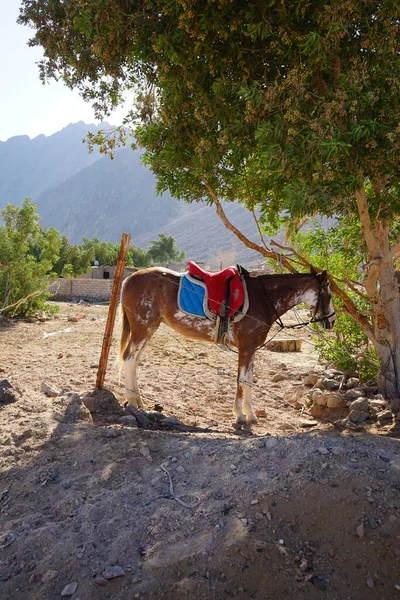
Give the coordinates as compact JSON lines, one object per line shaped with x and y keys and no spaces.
{"x":87,"y":195}
{"x":108,"y":198}
{"x":29,"y":167}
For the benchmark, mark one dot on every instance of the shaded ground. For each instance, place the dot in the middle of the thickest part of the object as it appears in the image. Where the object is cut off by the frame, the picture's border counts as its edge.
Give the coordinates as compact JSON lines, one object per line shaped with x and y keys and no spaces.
{"x":283,"y":511}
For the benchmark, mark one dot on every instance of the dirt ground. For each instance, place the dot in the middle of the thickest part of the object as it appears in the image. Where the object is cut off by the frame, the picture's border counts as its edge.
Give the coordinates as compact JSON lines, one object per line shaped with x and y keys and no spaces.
{"x":291,"y":509}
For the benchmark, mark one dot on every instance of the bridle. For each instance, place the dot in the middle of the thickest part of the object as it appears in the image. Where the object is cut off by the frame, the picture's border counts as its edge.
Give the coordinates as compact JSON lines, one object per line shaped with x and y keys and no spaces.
{"x":314,"y":318}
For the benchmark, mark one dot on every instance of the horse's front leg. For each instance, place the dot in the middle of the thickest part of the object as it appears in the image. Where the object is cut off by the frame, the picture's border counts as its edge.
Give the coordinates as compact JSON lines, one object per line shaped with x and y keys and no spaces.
{"x":242,"y":408}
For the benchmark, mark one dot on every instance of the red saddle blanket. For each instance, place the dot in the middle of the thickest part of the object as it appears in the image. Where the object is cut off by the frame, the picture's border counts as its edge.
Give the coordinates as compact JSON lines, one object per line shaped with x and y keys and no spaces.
{"x":217,"y":288}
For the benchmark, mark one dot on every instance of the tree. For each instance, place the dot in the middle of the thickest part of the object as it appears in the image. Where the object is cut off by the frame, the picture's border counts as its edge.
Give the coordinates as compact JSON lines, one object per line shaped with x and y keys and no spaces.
{"x":27,"y":255}
{"x":164,"y":250}
{"x":106,"y":253}
{"x":137,"y":257}
{"x":289,"y":106}
{"x":74,"y":260}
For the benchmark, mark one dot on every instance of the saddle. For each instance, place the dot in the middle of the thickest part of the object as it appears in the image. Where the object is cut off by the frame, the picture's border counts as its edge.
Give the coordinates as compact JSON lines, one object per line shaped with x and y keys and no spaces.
{"x":225,"y":289}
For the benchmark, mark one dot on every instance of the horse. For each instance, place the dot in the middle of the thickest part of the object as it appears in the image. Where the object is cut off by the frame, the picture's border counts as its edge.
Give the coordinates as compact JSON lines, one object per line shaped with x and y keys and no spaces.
{"x":149,"y":297}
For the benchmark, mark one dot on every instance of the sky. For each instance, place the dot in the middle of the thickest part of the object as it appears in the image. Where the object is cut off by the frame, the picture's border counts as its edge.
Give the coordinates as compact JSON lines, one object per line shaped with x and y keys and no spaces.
{"x":26,"y":106}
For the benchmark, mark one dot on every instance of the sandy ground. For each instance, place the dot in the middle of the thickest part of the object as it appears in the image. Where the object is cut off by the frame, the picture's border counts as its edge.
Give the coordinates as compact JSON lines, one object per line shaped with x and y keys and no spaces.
{"x":285,"y":510}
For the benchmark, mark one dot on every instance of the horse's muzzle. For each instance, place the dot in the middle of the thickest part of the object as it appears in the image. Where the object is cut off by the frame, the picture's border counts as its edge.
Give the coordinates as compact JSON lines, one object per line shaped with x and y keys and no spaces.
{"x":329,"y":322}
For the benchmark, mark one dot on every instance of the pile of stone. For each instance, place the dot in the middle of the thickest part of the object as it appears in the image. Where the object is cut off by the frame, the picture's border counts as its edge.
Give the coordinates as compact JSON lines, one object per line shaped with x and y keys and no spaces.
{"x":341,"y":400}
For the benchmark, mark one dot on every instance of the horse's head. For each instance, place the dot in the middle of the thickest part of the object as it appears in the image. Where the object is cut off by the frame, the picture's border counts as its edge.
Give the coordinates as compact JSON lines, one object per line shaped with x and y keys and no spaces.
{"x":323,"y":311}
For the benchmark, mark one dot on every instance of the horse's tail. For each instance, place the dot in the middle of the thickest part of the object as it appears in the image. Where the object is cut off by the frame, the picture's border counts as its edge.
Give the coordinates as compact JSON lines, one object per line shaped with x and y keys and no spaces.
{"x":125,"y":333}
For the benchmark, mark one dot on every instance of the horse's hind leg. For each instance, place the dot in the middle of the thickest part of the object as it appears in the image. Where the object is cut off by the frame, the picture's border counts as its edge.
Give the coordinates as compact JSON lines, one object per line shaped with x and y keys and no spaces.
{"x":242,"y":408}
{"x":130,"y":362}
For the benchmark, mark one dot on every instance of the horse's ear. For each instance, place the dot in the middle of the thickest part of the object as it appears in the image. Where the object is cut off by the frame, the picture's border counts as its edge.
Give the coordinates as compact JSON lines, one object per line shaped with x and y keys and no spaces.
{"x":323,"y":277}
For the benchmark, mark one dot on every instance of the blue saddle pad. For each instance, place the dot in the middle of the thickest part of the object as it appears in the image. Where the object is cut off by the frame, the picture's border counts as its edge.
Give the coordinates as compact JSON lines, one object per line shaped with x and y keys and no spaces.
{"x":191,"y":296}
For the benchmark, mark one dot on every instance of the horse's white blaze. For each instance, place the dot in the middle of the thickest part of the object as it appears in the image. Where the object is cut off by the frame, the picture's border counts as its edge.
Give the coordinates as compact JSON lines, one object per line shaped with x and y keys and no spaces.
{"x":309,"y":297}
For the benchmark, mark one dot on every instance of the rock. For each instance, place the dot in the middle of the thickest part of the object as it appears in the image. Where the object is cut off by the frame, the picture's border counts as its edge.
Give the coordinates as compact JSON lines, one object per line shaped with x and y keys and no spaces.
{"x":140,"y":415}
{"x":311,"y":379}
{"x":323,"y":450}
{"x":270,"y":443}
{"x":145,"y":452}
{"x":330,"y":384}
{"x":109,"y":432}
{"x":7,"y":395}
{"x":352,"y":382}
{"x":181,"y":469}
{"x":358,"y":416}
{"x":70,"y":589}
{"x":319,"y":398}
{"x":303,"y":565}
{"x":49,"y":576}
{"x":170,"y":421}
{"x":338,"y":451}
{"x":332,"y":374}
{"x":385,"y":416}
{"x":261,"y":413}
{"x":352,"y":394}
{"x":83,"y":414}
{"x":335,"y":400}
{"x":278,"y":377}
{"x":129,"y":421}
{"x":67,"y":484}
{"x":370,"y":582}
{"x":307,"y":423}
{"x":76,"y":410}
{"x":360,"y":404}
{"x":318,"y":411}
{"x":378,"y":404}
{"x":112,"y":572}
{"x":102,"y":400}
{"x":48,"y":390}
{"x":360,"y":530}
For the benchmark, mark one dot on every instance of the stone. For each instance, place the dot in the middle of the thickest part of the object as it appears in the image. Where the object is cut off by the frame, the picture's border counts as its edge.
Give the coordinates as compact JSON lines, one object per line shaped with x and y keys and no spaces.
{"x":129,"y":421}
{"x":352,"y":382}
{"x":323,"y":450}
{"x":335,"y":400}
{"x":385,"y":416}
{"x":311,"y":379}
{"x":278,"y":377}
{"x":170,"y":421}
{"x":112,"y":572}
{"x":70,"y":589}
{"x":330,"y":384}
{"x":49,"y":576}
{"x":358,"y":416}
{"x":360,"y":404}
{"x":319,"y":398}
{"x":48,"y":390}
{"x":270,"y":443}
{"x":318,"y":411}
{"x":109,"y":432}
{"x":140,"y":415}
{"x":7,"y":395}
{"x":360,"y":530}
{"x":353,"y":394}
{"x":307,"y":423}
{"x":370,"y":582}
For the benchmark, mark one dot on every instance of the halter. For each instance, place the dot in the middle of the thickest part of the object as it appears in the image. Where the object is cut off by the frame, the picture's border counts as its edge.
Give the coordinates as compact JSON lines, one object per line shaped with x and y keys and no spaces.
{"x":313,"y":319}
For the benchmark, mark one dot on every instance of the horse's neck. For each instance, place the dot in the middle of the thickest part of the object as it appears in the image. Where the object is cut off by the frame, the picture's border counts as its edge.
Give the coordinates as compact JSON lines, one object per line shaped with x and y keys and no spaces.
{"x":299,"y":291}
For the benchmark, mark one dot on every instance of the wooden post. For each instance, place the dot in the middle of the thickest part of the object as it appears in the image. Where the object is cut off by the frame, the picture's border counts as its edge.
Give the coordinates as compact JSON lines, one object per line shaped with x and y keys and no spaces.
{"x":119,"y":271}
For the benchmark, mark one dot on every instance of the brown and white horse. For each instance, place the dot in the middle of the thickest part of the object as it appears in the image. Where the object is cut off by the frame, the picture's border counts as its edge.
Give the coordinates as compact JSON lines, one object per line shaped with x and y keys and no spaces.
{"x":149,"y":298}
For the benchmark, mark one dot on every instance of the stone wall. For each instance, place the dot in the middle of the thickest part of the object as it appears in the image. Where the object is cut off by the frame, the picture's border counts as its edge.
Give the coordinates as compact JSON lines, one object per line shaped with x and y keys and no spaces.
{"x":66,"y":289}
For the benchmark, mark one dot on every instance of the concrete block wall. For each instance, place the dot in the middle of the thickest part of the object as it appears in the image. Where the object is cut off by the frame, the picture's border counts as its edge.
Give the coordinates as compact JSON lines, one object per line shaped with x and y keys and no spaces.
{"x":66,"y":289}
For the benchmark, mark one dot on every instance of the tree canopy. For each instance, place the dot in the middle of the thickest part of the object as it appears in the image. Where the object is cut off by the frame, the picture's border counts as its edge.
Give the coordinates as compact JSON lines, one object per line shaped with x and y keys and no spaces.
{"x":293,"y":107}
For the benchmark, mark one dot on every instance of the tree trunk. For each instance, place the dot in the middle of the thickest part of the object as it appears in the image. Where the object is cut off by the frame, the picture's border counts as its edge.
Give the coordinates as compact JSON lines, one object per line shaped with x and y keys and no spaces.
{"x":383,"y":293}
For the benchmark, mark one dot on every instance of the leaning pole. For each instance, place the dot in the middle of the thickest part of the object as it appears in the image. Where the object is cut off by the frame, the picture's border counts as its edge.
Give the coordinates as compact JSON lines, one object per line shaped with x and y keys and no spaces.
{"x":119,"y":271}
